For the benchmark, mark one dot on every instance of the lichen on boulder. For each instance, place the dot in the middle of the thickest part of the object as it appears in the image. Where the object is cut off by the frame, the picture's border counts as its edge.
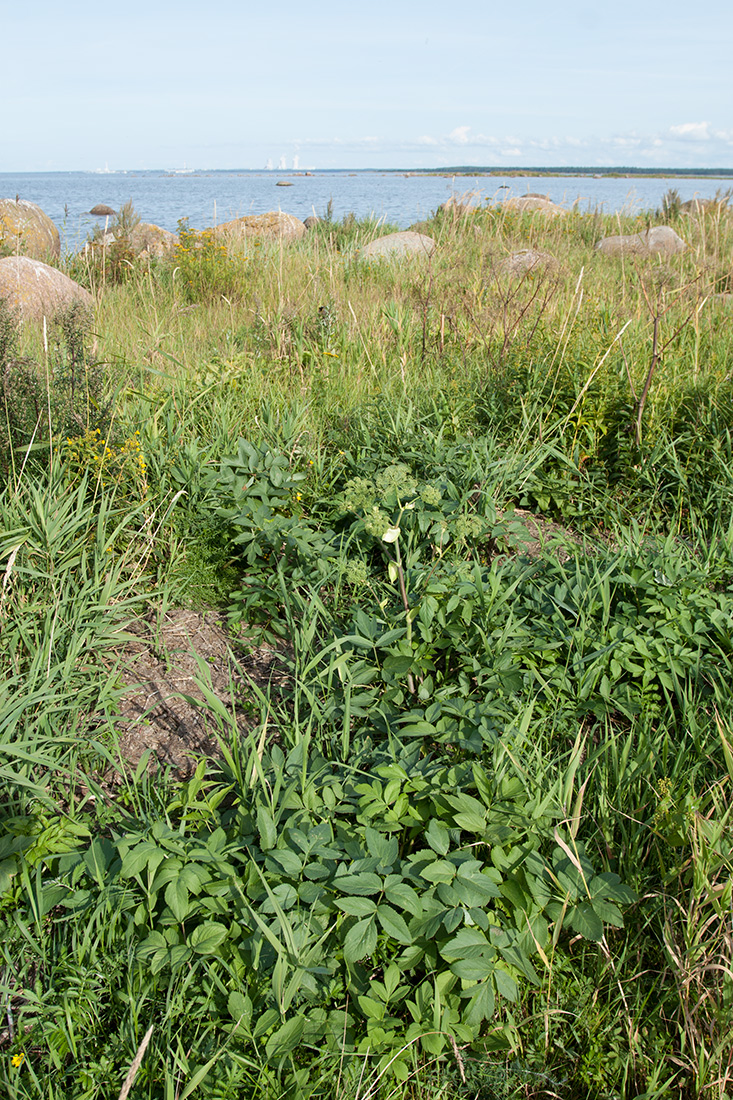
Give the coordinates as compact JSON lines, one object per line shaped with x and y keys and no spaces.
{"x":35,"y":290}
{"x":25,"y":230}
{"x":274,"y":226}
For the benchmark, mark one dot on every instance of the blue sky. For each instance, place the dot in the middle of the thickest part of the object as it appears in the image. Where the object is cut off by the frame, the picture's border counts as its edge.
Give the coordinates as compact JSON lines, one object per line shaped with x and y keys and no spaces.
{"x":388,"y":84}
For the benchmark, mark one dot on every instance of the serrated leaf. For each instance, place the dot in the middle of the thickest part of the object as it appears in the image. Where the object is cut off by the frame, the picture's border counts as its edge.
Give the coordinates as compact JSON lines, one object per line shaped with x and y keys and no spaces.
{"x":438,"y":837}
{"x":363,"y":882}
{"x":146,"y":854}
{"x":360,"y":941}
{"x":266,"y":828}
{"x":394,"y":924}
{"x":439,"y":871}
{"x":357,"y":906}
{"x":473,"y":970}
{"x":586,"y":922}
{"x":208,"y":937}
{"x":286,"y":1038}
{"x":505,"y":984}
{"x":177,"y":898}
{"x":402,"y":895}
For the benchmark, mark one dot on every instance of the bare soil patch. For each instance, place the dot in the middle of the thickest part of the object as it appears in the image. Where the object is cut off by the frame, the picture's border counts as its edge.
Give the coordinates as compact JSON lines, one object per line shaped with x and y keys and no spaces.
{"x":164,"y":708}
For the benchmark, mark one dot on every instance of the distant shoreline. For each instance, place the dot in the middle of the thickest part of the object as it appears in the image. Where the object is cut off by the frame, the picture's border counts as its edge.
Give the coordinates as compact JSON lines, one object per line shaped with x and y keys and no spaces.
{"x":572,"y":171}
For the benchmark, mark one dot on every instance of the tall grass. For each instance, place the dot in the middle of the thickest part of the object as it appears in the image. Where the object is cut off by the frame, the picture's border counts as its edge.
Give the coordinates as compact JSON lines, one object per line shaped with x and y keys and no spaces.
{"x":560,"y":719}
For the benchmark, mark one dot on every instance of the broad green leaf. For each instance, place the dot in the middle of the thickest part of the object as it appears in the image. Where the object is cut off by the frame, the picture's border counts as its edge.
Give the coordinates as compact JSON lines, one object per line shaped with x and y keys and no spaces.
{"x":438,"y":837}
{"x":146,"y":854}
{"x":402,"y":895}
{"x":363,"y":882}
{"x":505,"y":984}
{"x":266,"y":828}
{"x":439,"y":871}
{"x":177,"y":898}
{"x":357,"y":906}
{"x":474,"y":970}
{"x":384,"y":848}
{"x":286,"y":1038}
{"x":208,"y":937}
{"x":481,"y":1005}
{"x":394,"y":924}
{"x":361,"y":940}
{"x":586,"y":922}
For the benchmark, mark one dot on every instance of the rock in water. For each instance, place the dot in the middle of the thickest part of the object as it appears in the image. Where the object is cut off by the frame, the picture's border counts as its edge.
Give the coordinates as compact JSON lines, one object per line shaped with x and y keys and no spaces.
{"x":273,"y":226}
{"x":102,"y":211}
{"x":397,"y":245}
{"x":36,"y":290}
{"x":660,"y":240}
{"x":26,"y":231}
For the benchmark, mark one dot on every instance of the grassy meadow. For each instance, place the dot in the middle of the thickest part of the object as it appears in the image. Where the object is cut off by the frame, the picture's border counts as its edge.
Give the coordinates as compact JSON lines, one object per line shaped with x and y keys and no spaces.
{"x":472,"y":837}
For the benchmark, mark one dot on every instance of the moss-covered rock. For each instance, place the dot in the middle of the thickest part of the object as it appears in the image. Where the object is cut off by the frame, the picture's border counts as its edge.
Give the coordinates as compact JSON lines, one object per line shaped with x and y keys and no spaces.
{"x":273,"y":226}
{"x":26,"y":231}
{"x":35,"y":290}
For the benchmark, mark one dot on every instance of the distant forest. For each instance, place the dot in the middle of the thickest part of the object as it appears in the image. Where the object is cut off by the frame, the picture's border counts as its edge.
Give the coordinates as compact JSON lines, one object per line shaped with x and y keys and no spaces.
{"x":622,"y":170}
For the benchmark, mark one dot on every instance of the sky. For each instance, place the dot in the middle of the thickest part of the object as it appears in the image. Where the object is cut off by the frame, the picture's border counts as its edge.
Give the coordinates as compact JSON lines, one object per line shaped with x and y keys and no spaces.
{"x":401,"y":84}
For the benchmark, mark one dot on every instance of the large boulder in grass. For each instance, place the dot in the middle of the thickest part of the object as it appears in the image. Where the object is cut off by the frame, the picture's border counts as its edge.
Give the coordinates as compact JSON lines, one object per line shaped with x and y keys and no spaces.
{"x":143,"y":240}
{"x":535,"y":204}
{"x":660,"y":240}
{"x":146,"y":239}
{"x":399,"y":245}
{"x":26,"y":231}
{"x":34,"y":290}
{"x":528,"y":261}
{"x":273,"y":226}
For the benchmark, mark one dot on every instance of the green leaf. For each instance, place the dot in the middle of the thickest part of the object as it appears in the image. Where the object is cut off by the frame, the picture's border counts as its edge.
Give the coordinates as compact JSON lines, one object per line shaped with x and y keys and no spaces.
{"x":438,"y":837}
{"x":402,"y":895}
{"x":363,"y":882}
{"x":208,"y":937}
{"x":357,"y":907}
{"x":146,"y":854}
{"x":361,"y":940}
{"x":394,"y":924}
{"x":266,"y":828}
{"x":177,"y":898}
{"x":481,"y":1005}
{"x":473,"y":970}
{"x":506,"y":984}
{"x":439,"y":871}
{"x":586,"y":922}
{"x":286,"y":1038}
{"x":384,"y":848}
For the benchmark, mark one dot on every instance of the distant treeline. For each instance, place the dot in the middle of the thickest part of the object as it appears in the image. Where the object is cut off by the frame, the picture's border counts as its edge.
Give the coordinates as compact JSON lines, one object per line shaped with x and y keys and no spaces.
{"x":622,"y":170}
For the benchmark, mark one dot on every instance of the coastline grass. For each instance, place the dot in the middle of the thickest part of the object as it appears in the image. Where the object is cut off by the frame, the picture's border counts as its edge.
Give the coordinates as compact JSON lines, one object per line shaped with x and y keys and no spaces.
{"x":351,"y":459}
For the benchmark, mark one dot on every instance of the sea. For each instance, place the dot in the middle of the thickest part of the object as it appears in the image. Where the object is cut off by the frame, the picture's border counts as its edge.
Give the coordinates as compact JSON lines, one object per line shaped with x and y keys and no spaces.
{"x":209,"y":198}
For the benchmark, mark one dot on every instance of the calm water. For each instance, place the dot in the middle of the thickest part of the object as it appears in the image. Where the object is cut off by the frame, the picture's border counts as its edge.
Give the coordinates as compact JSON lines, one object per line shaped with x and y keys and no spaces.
{"x":207,"y":198}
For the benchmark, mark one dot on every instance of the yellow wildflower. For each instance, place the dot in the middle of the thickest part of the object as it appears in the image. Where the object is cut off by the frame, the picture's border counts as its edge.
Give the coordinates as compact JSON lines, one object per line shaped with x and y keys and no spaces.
{"x":17,"y":1060}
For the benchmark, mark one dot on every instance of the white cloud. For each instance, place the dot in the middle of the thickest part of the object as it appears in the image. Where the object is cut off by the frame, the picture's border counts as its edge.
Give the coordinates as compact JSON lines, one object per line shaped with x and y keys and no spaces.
{"x":459,"y":136}
{"x":692,"y":131}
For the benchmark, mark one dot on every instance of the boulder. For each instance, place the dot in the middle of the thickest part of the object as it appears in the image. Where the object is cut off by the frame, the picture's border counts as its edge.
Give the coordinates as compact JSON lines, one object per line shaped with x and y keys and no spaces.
{"x":535,"y":204}
{"x":26,"y":231}
{"x":102,"y":211}
{"x":397,"y":245}
{"x":311,"y":221}
{"x":461,"y":205}
{"x":144,"y":239}
{"x":273,"y":226}
{"x":36,"y":290}
{"x":527,"y":261}
{"x":660,"y":240}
